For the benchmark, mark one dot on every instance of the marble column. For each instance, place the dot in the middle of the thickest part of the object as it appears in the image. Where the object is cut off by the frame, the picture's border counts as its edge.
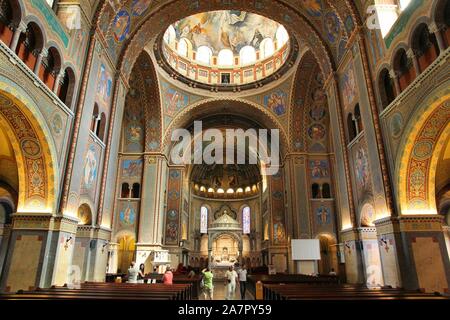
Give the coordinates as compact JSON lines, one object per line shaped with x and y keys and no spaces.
{"x":21,"y":28}
{"x":437,"y":31}
{"x":58,"y":80}
{"x":412,"y":55}
{"x":395,"y":79}
{"x":39,"y":58}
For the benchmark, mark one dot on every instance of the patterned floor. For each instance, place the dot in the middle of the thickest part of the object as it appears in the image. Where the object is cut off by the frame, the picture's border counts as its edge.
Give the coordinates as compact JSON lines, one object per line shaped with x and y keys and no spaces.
{"x":220,"y":292}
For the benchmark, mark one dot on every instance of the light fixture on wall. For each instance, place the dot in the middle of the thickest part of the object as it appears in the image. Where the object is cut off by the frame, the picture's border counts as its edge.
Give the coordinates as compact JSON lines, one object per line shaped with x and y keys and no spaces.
{"x":66,"y":245}
{"x":104,"y":245}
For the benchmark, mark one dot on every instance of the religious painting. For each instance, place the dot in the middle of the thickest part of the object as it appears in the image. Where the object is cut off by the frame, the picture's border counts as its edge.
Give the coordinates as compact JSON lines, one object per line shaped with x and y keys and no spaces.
{"x":225,"y":29}
{"x":396,"y":125}
{"x":362,"y":169}
{"x":277,"y":102}
{"x":104,"y":85}
{"x":135,"y":132}
{"x":127,"y":215}
{"x":138,"y":7}
{"x":317,"y":112}
{"x":313,"y":7}
{"x":121,"y":26}
{"x":348,"y":87}
{"x":317,"y":132}
{"x":319,"y":169}
{"x":131,"y":168}
{"x":173,"y":100}
{"x":153,"y":134}
{"x":367,"y":215}
{"x":332,"y":26}
{"x":318,"y":95}
{"x":279,"y":233}
{"x":90,"y":168}
{"x":323,"y":215}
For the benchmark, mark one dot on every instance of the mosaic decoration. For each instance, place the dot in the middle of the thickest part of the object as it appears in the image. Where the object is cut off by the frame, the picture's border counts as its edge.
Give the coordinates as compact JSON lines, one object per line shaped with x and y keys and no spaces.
{"x":318,"y":112}
{"x":121,"y":25}
{"x":319,"y":169}
{"x":173,"y":100}
{"x":332,"y":26}
{"x":317,"y":132}
{"x":138,"y":7}
{"x":323,"y":215}
{"x":362,"y":169}
{"x":35,"y":178}
{"x":131,"y":168}
{"x":396,"y":125}
{"x":313,"y":7}
{"x":90,"y":168}
{"x":104,"y":85}
{"x":277,"y":202}
{"x":173,"y":207}
{"x":127,"y":216}
{"x":348,"y":86}
{"x":420,"y":159}
{"x":276,"y":102}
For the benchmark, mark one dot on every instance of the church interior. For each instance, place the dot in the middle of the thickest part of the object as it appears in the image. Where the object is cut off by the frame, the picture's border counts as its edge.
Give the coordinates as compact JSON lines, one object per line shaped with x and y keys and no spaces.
{"x":355,"y":93}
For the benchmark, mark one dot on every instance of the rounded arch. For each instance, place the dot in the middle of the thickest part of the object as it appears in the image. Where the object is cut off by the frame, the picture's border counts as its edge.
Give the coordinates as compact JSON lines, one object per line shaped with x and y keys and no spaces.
{"x":386,"y":87}
{"x":422,"y":142}
{"x":35,"y":154}
{"x":35,"y":22}
{"x":66,"y":91}
{"x":17,"y":11}
{"x":328,"y":253}
{"x":247,"y":108}
{"x":204,"y":54}
{"x":84,"y":214}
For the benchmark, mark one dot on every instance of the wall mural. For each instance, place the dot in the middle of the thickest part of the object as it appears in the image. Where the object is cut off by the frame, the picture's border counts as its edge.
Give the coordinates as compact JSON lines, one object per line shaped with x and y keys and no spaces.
{"x":348,"y":86}
{"x":90,"y":171}
{"x":121,"y":26}
{"x":332,"y":26}
{"x":173,"y":99}
{"x":319,"y":169}
{"x":127,"y":216}
{"x":277,"y":102}
{"x":362,"y":171}
{"x":173,"y":207}
{"x":233,"y":29}
{"x":313,"y":7}
{"x":278,"y":218}
{"x":104,"y":85}
{"x":323,"y":215}
{"x":131,"y":168}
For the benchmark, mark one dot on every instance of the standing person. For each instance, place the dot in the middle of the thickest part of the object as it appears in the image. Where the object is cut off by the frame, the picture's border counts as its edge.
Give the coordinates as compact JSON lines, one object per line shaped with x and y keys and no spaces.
{"x":208,"y":288}
{"x":132,"y":273}
{"x":231,"y":277}
{"x":168,"y":276}
{"x":242,"y":273}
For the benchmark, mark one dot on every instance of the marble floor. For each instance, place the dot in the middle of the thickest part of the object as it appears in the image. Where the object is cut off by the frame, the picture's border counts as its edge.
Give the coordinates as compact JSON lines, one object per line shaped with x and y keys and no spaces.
{"x":220,"y":291}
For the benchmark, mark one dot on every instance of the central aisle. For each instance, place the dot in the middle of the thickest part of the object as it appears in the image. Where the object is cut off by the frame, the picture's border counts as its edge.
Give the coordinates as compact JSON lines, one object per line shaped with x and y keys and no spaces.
{"x":220,"y":292}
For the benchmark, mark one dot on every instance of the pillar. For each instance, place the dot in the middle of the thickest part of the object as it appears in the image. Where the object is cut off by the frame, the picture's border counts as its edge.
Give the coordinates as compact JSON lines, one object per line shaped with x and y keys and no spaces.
{"x":21,"y":28}
{"x":353,"y":258}
{"x":395,"y":79}
{"x":370,"y":257}
{"x":58,"y":80}
{"x":412,"y":55}
{"x":38,"y":64}
{"x":40,"y":251}
{"x":436,"y":30}
{"x":113,"y":260}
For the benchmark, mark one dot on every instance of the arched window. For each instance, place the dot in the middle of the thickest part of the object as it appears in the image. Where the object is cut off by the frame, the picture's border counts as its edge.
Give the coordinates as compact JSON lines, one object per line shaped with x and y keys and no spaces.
{"x":225,"y":57}
{"x":247,"y":55}
{"x":267,"y":48}
{"x":30,"y":45}
{"x":51,"y":66}
{"x":67,"y":87}
{"x":315,"y":191}
{"x":404,"y":68}
{"x":101,"y":127}
{"x":230,"y":191}
{"x":246,"y":220}
{"x":220,"y":190}
{"x":6,"y":21}
{"x":326,"y":191}
{"x":125,"y":191}
{"x":425,"y":46}
{"x":282,"y":36}
{"x":95,"y":118}
{"x":351,"y":127}
{"x":359,"y":125}
{"x":136,"y":191}
{"x":387,"y":91}
{"x":170,"y":35}
{"x":443,"y":20}
{"x":183,"y":48}
{"x":203,"y":219}
{"x":204,"y":55}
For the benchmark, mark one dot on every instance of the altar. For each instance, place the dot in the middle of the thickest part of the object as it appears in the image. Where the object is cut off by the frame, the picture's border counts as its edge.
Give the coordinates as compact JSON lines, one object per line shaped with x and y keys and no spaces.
{"x":224,"y":244}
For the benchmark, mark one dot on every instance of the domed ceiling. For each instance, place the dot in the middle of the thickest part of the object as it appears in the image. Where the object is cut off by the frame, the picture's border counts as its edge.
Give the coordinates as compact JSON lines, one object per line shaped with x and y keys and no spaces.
{"x":226,"y":47}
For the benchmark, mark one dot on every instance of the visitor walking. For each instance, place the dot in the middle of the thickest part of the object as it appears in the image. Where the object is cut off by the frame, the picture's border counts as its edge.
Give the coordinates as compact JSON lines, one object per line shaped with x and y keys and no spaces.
{"x":208,"y":288}
{"x":242,"y":273}
{"x":231,"y":277}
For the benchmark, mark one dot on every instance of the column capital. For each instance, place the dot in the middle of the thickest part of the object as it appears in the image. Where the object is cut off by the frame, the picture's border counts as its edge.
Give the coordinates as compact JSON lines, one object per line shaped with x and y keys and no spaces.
{"x":393,"y":74}
{"x":22,"y":27}
{"x":411,"y":53}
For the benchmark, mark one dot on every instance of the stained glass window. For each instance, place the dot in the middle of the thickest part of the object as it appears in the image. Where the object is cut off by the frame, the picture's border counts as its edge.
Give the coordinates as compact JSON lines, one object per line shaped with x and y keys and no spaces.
{"x":204,"y":220}
{"x":246,"y":220}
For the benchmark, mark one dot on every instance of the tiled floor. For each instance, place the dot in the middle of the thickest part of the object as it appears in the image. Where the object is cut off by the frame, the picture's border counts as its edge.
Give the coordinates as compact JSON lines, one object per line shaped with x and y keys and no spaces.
{"x":220,"y":291}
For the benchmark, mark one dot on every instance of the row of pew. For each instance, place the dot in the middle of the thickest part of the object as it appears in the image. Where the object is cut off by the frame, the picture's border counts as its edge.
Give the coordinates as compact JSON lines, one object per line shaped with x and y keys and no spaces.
{"x":108,"y":291}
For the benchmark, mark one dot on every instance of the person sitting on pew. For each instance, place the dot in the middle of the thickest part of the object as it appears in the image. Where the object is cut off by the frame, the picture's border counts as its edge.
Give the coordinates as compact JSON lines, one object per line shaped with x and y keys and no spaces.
{"x":168,"y":276}
{"x":132,"y":273}
{"x":141,"y":274}
{"x":332,"y":272}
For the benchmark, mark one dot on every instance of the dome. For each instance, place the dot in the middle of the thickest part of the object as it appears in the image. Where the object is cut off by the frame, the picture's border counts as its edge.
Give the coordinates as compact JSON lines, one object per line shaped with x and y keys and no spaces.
{"x":226,"y":47}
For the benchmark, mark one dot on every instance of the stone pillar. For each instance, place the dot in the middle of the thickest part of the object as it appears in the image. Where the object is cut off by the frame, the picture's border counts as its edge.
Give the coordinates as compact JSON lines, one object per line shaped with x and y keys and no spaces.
{"x":422,"y":253}
{"x":113,"y":262}
{"x":370,"y":255}
{"x":5,"y":234}
{"x":58,"y":80}
{"x":395,"y":79}
{"x":388,"y":252}
{"x":353,"y":258}
{"x":16,"y":36}
{"x":412,"y":55}
{"x":437,"y":31}
{"x":40,"y":251}
{"x":38,"y":64}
